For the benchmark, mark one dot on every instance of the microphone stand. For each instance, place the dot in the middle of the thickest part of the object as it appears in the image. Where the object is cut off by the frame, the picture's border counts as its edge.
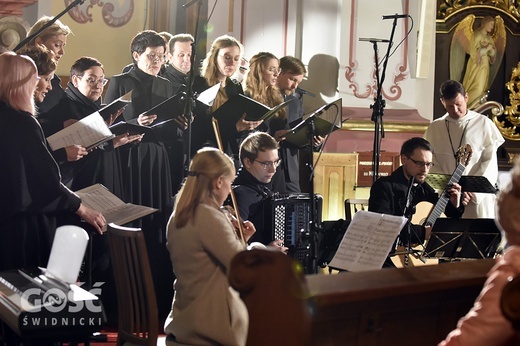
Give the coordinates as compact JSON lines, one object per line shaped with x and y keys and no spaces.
{"x":378,"y":108}
{"x":189,"y":101}
{"x":52,"y":21}
{"x":407,"y":213}
{"x":313,"y":227}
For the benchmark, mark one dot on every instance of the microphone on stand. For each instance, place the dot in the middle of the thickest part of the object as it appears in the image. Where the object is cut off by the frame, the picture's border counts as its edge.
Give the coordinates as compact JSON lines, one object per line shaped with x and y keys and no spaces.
{"x":305,"y":92}
{"x":189,"y":3}
{"x":408,"y":205}
{"x":371,"y":39}
{"x":395,"y":16}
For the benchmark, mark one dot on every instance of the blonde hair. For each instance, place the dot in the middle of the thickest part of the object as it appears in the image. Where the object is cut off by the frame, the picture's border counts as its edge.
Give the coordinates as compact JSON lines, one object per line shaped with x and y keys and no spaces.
{"x":206,"y":166}
{"x":55,"y":29}
{"x":42,"y":57}
{"x":18,"y":81}
{"x":209,"y":69}
{"x":257,"y":88}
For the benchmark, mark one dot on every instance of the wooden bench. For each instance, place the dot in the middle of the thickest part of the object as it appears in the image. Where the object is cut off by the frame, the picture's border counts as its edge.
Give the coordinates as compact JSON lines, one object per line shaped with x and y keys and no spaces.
{"x":405,"y":306}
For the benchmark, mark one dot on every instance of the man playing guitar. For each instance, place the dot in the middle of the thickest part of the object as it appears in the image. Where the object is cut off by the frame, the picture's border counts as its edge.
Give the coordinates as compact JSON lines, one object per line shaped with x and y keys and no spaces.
{"x":399,"y":193}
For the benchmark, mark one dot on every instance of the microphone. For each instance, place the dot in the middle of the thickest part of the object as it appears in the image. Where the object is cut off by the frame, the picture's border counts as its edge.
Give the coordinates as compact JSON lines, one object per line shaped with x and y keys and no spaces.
{"x":395,"y":16}
{"x":408,"y":202}
{"x":189,"y":3}
{"x":305,"y":92}
{"x":371,"y":39}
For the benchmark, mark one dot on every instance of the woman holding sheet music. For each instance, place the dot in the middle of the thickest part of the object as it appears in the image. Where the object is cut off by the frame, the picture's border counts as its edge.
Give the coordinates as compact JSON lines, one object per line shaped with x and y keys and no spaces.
{"x":146,"y":168}
{"x":261,"y":83}
{"x":220,"y":64}
{"x":33,"y":201}
{"x":46,"y":65}
{"x":83,"y":97}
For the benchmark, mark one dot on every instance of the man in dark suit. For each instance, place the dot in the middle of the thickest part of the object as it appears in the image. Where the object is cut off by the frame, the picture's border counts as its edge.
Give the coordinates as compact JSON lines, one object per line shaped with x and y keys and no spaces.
{"x":179,"y":60}
{"x":388,"y":195}
{"x":287,"y":177}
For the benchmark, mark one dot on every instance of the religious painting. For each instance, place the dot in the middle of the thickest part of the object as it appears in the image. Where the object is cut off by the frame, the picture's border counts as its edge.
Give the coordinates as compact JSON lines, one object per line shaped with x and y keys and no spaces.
{"x":476,"y":52}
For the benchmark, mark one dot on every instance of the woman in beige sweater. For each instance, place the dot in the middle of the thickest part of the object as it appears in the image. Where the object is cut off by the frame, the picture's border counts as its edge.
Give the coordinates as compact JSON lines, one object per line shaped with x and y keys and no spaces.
{"x":202,"y":241}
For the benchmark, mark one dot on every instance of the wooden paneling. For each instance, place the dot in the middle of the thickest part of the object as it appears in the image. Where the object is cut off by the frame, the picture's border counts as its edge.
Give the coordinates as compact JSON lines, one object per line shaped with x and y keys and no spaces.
{"x":334,"y":179}
{"x":405,"y":306}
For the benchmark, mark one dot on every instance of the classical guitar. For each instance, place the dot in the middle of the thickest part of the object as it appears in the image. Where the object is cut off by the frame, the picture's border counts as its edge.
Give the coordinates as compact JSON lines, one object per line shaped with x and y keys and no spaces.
{"x":426,"y":213}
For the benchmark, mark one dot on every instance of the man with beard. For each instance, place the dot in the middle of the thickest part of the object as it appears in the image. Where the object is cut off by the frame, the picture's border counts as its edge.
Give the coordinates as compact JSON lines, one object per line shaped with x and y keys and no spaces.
{"x":388,"y":195}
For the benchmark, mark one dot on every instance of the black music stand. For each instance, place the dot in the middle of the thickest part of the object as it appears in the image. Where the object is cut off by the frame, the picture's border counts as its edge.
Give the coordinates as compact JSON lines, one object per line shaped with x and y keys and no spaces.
{"x":469,"y":183}
{"x":298,"y":136}
{"x":455,"y":239}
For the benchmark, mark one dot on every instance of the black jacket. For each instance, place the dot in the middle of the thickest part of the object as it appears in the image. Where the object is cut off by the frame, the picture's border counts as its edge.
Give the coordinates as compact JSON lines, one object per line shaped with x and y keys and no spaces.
{"x":388,"y":196}
{"x":253,"y":198}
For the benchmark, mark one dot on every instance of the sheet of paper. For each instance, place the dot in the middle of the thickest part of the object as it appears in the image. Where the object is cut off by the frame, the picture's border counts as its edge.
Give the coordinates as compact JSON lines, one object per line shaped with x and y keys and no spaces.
{"x":86,"y":132}
{"x":208,"y":96}
{"x":367,"y":241}
{"x":113,"y":208}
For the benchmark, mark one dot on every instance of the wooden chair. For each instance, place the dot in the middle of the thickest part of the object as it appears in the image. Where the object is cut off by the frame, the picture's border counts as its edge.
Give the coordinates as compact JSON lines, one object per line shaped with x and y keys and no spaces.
{"x":353,"y":205}
{"x":137,"y":307}
{"x":273,"y":288}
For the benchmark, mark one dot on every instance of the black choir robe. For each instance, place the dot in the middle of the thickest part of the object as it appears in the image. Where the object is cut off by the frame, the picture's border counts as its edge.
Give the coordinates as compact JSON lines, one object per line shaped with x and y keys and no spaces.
{"x":146,"y":174}
{"x":33,"y":201}
{"x":203,"y":134}
{"x":101,"y":165}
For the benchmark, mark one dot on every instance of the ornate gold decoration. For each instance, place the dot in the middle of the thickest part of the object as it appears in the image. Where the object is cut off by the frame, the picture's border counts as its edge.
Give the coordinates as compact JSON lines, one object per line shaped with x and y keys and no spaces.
{"x":115,"y":13}
{"x":450,"y":7}
{"x":509,"y":121}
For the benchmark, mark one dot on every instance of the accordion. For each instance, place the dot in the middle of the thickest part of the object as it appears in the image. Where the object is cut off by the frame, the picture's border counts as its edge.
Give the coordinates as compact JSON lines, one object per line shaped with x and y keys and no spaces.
{"x":289,"y":216}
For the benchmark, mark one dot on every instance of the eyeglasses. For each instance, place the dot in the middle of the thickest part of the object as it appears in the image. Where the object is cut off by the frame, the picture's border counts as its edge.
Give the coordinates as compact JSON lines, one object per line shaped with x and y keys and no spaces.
{"x":95,"y":82}
{"x":421,"y":163}
{"x":267,"y":164}
{"x":274,"y":70}
{"x":154,"y":57}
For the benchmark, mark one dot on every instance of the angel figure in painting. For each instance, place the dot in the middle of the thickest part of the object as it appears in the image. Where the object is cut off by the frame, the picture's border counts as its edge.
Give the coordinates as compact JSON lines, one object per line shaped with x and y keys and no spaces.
{"x":485,"y":46}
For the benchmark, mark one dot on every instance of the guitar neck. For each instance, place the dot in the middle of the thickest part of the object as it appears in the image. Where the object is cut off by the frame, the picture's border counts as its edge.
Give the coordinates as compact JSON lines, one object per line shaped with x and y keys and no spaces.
{"x":444,"y":198}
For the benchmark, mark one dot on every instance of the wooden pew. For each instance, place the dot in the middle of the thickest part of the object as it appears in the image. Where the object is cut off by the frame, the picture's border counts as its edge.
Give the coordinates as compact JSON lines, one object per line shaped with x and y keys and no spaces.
{"x":406,"y":306}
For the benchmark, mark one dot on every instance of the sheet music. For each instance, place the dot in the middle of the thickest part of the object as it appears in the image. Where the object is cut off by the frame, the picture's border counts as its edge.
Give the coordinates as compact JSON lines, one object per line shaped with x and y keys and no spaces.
{"x":86,"y":132}
{"x":208,"y":96}
{"x":113,"y":209}
{"x":367,"y":241}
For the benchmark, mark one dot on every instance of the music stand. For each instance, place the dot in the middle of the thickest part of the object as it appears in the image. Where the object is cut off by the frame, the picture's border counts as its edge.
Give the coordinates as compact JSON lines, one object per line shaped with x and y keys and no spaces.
{"x":455,"y":239}
{"x":469,"y":183}
{"x":298,"y":136}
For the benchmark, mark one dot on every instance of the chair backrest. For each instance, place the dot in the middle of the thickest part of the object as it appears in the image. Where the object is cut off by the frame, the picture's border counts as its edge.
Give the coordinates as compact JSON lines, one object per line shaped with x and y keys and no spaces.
{"x":137,"y":306}
{"x":354,"y":205}
{"x":273,"y":288}
{"x":68,"y":250}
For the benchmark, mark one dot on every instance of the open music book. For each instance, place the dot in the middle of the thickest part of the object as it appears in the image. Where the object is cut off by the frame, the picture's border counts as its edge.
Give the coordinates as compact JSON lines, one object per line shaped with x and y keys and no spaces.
{"x":233,"y":109}
{"x":168,"y":109}
{"x":327,"y":119}
{"x":89,"y":132}
{"x":113,"y":209}
{"x":208,"y":96}
{"x":367,"y":241}
{"x":116,"y":105}
{"x":132,"y":129}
